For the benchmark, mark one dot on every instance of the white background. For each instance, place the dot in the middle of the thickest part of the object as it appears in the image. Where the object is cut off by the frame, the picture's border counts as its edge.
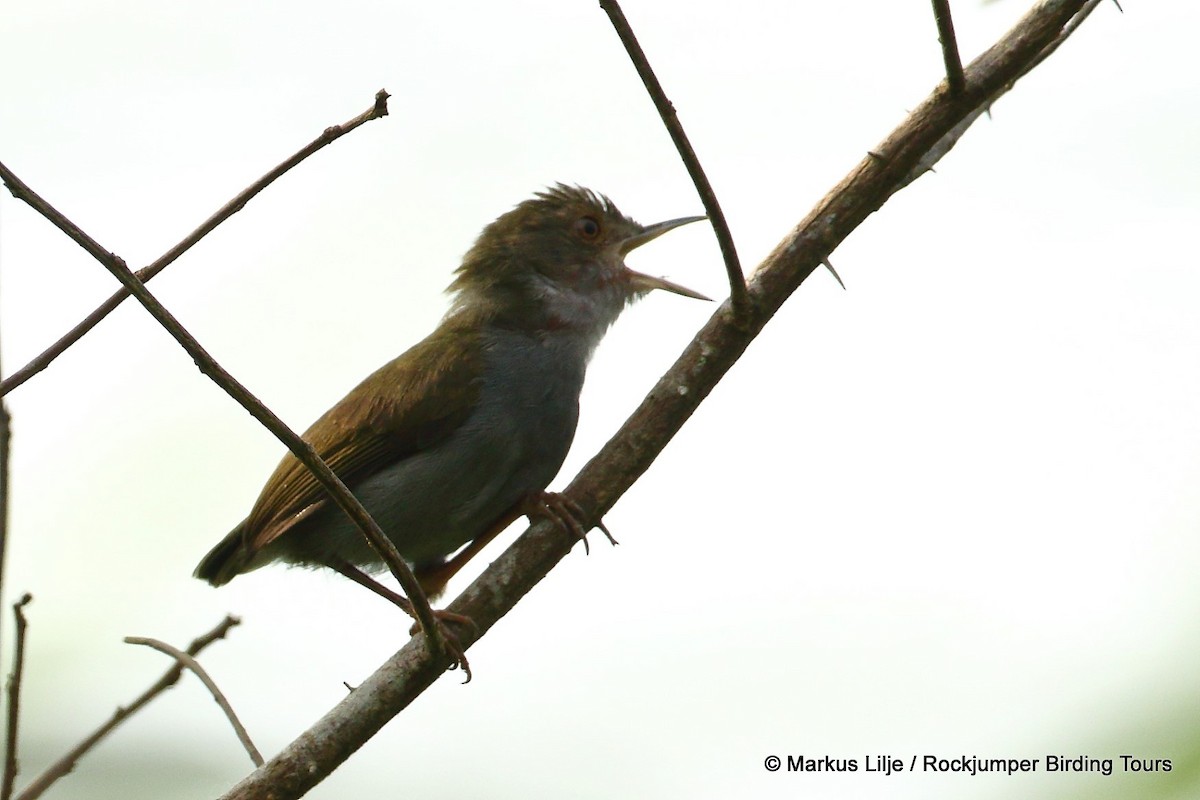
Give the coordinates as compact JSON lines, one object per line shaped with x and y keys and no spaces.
{"x":952,"y":510}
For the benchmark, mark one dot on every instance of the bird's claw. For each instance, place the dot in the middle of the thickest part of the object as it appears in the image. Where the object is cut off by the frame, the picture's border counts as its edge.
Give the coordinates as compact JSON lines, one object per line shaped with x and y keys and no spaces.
{"x":453,"y":646}
{"x":566,"y":513}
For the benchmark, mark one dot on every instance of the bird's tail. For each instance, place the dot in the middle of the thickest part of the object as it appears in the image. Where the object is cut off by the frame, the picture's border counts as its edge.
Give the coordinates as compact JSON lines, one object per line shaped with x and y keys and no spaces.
{"x":225,"y":561}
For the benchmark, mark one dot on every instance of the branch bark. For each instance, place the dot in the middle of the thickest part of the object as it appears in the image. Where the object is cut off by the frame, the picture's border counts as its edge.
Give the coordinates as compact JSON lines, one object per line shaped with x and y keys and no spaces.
{"x":888,"y":168}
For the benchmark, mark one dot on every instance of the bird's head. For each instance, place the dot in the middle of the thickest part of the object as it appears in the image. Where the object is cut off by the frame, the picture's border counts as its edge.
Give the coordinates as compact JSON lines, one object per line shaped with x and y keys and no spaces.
{"x":557,"y":261}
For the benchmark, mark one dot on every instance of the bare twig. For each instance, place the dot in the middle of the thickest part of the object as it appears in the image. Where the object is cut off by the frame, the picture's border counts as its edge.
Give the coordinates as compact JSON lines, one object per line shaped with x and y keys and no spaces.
{"x":303,"y":451}
{"x":733,"y":267}
{"x":319,"y":750}
{"x":5,"y":448}
{"x":328,"y":136}
{"x":14,"y":699}
{"x":194,"y":665}
{"x":955,"y":79}
{"x":67,"y":763}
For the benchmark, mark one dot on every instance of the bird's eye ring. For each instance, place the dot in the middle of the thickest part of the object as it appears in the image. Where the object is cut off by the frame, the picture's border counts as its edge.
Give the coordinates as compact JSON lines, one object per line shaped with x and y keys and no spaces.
{"x":587,"y":228}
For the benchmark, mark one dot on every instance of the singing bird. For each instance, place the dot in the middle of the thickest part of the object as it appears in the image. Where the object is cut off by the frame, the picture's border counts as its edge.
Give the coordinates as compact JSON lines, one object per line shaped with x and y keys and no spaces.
{"x":459,"y":436}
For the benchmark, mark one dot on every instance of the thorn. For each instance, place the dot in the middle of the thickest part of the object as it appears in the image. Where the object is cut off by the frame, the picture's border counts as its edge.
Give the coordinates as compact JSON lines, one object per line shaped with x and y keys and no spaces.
{"x":833,"y":272}
{"x":1117,"y":3}
{"x":876,"y":156}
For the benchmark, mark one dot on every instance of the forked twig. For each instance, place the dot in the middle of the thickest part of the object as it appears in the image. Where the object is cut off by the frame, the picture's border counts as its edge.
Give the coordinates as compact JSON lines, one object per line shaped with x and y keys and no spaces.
{"x":194,"y":665}
{"x":328,"y":136}
{"x":67,"y":763}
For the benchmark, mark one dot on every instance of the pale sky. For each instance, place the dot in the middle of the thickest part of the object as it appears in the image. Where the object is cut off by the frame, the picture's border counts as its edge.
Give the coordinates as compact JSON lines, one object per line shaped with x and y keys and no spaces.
{"x":958,"y":502}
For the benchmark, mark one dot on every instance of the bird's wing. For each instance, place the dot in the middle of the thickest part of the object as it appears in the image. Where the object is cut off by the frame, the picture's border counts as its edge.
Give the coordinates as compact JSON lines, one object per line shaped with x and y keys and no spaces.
{"x":406,"y":406}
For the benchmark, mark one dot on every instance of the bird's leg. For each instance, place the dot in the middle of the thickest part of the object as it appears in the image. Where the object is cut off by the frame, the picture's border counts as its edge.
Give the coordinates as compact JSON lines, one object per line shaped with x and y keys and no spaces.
{"x":442,"y":617}
{"x":550,"y":505}
{"x":564,"y":511}
{"x":434,"y":577}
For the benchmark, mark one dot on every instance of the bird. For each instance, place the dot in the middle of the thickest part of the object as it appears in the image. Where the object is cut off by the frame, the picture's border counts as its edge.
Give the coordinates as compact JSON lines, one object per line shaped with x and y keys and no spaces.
{"x":460,"y":435}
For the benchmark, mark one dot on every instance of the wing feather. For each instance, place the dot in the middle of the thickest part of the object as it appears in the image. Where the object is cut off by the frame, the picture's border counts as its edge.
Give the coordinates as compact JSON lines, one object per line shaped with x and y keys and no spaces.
{"x":404,"y":407}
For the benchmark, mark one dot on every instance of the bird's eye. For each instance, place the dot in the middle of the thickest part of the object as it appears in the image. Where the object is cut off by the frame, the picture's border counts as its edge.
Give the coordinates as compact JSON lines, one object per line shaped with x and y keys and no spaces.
{"x":587,"y":228}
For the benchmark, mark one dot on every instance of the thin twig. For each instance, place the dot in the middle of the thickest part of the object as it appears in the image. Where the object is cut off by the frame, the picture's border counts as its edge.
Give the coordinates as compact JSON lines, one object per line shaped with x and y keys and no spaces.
{"x":733,"y":267}
{"x":5,"y":449}
{"x":194,"y":665}
{"x":328,"y":136}
{"x":14,"y":699}
{"x":303,"y":451}
{"x":954,"y":68}
{"x":319,"y":750}
{"x":67,"y":763}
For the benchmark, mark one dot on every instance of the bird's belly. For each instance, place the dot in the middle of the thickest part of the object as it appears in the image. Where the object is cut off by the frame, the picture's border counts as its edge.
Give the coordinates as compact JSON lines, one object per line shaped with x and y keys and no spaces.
{"x":433,"y":504}
{"x":512,"y":445}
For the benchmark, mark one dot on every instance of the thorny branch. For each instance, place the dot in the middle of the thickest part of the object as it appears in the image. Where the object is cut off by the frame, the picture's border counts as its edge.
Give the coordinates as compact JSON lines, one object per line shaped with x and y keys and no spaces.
{"x":979,"y":108}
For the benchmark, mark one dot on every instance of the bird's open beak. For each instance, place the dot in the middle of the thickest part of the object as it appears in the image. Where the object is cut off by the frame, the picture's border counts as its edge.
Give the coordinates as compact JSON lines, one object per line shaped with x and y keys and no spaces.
{"x":645,"y":283}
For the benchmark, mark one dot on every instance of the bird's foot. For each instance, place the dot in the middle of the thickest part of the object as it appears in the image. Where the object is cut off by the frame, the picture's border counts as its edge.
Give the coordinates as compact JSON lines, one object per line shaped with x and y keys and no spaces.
{"x":442,"y":617}
{"x":454,"y":646}
{"x":443,"y":620}
{"x":566,"y":513}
